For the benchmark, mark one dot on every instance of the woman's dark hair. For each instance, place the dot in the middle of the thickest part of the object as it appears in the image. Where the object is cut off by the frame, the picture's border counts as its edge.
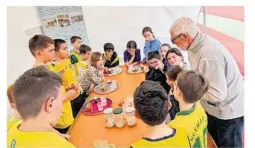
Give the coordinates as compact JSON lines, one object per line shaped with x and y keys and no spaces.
{"x":131,"y":44}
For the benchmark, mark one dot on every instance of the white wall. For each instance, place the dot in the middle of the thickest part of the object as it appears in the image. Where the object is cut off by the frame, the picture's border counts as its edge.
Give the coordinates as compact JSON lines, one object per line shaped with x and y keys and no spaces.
{"x":19,"y":58}
{"x":121,"y":24}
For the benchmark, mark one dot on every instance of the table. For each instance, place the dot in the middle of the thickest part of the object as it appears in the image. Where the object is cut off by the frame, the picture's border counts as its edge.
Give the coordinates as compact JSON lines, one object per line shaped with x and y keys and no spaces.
{"x":86,"y":129}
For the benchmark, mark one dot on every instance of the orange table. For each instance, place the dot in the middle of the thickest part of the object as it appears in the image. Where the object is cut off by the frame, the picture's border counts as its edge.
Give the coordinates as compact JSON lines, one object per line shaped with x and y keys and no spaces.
{"x":86,"y":129}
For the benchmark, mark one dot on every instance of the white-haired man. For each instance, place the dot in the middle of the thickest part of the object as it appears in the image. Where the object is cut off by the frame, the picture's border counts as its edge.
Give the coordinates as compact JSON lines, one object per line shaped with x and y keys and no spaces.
{"x":224,"y":102}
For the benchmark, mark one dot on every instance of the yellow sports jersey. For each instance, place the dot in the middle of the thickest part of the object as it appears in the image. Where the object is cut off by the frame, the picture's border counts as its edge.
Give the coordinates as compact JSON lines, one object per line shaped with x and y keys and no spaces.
{"x":178,"y":139}
{"x":78,"y":56}
{"x":13,"y":121}
{"x":194,"y":121}
{"x":20,"y":139}
{"x":65,"y":72}
{"x":81,"y":67}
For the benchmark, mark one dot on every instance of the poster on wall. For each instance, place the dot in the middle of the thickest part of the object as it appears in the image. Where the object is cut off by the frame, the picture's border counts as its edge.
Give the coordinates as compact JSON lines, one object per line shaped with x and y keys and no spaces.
{"x":63,"y":23}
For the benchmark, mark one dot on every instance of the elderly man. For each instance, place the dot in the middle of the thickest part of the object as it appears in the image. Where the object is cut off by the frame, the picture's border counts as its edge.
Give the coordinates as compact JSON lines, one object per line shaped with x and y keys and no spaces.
{"x":224,"y":102}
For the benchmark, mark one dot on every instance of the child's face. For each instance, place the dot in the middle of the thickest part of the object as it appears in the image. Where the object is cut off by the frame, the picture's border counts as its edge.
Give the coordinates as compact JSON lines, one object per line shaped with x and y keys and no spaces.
{"x":153,"y":62}
{"x":100,"y":63}
{"x":109,"y":53}
{"x":131,"y":51}
{"x":54,"y":107}
{"x":174,"y":59}
{"x":163,"y":51}
{"x":47,"y":54}
{"x":86,"y":56}
{"x":148,"y":36}
{"x":62,"y":53}
{"x":77,"y":44}
{"x":169,"y":82}
{"x":176,"y":91}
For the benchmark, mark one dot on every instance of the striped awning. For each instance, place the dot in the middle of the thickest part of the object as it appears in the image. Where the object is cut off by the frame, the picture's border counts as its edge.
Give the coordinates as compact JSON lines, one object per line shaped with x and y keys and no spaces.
{"x":226,"y":24}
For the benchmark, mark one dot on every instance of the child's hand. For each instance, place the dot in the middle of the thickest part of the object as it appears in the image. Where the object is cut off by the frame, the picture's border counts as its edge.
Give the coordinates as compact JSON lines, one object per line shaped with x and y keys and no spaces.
{"x":71,"y":94}
{"x":66,"y":137}
{"x":91,"y":88}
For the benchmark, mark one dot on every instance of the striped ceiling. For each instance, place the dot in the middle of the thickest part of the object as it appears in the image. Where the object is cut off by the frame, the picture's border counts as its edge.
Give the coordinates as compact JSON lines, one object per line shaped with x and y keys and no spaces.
{"x":226,"y":24}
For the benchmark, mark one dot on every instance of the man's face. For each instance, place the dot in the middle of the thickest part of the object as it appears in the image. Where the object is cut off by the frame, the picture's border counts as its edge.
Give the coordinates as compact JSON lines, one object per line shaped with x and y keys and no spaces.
{"x":180,"y":40}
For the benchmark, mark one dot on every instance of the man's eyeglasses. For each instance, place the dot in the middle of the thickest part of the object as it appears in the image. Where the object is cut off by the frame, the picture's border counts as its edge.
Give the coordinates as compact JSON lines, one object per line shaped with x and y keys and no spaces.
{"x":173,"y":40}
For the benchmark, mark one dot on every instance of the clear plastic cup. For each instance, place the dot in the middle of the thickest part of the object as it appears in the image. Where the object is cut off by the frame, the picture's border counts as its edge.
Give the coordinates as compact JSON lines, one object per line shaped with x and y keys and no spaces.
{"x":99,"y":106}
{"x":103,"y":101}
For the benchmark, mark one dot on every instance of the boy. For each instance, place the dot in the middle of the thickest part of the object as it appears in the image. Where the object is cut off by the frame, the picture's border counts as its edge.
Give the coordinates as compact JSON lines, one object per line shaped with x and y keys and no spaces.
{"x":110,"y":56}
{"x":171,"y":76}
{"x":42,"y":48}
{"x":189,"y":87}
{"x":157,"y":70}
{"x":85,"y":52}
{"x":76,"y":42}
{"x":38,"y":109}
{"x":15,"y":117}
{"x":151,"y":104}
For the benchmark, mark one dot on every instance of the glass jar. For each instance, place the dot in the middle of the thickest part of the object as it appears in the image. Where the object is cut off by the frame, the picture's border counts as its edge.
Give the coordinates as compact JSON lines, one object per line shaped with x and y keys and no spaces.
{"x":130,"y":116}
{"x":119,"y":118}
{"x":109,"y":117}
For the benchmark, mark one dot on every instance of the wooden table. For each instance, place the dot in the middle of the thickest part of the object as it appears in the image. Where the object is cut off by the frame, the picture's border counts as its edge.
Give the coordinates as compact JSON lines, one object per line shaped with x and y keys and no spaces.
{"x":86,"y":129}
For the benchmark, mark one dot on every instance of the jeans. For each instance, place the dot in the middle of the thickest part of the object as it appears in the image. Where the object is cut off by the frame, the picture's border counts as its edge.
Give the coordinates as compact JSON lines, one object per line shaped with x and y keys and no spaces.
{"x":226,"y":133}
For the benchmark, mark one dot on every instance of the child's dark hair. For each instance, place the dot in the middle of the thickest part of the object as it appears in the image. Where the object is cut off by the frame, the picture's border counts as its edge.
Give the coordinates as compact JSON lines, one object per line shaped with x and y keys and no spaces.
{"x":154,"y":54}
{"x":39,"y":42}
{"x":131,"y":44}
{"x":108,"y":46}
{"x":74,"y":38}
{"x":174,"y":50}
{"x":151,"y":102}
{"x":193,"y":85}
{"x":84,"y":49}
{"x":173,"y":72}
{"x":167,"y":45}
{"x":147,"y":29}
{"x":57,"y":43}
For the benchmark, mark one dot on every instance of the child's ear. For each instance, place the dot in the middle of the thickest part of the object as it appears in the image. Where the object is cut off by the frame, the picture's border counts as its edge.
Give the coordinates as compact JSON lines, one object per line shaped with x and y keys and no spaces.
{"x":13,"y":106}
{"x":49,"y":104}
{"x":137,"y":115}
{"x":37,"y":53}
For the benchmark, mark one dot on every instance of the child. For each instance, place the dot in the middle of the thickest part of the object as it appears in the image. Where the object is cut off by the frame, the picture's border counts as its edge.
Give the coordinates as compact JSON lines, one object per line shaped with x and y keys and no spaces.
{"x":37,"y":95}
{"x":42,"y":48}
{"x":175,"y":57}
{"x":15,"y":117}
{"x":94,"y":74}
{"x":63,"y":68}
{"x":110,"y":56}
{"x":76,"y":42}
{"x":189,"y":87}
{"x":85,"y":52}
{"x":171,"y":76}
{"x":151,"y":44}
{"x":151,"y":104}
{"x":157,"y":70}
{"x":163,"y":50}
{"x":132,"y":55}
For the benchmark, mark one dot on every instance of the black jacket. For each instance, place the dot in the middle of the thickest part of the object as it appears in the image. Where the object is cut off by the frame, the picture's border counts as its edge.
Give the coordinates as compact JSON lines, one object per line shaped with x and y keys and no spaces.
{"x":115,"y":60}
